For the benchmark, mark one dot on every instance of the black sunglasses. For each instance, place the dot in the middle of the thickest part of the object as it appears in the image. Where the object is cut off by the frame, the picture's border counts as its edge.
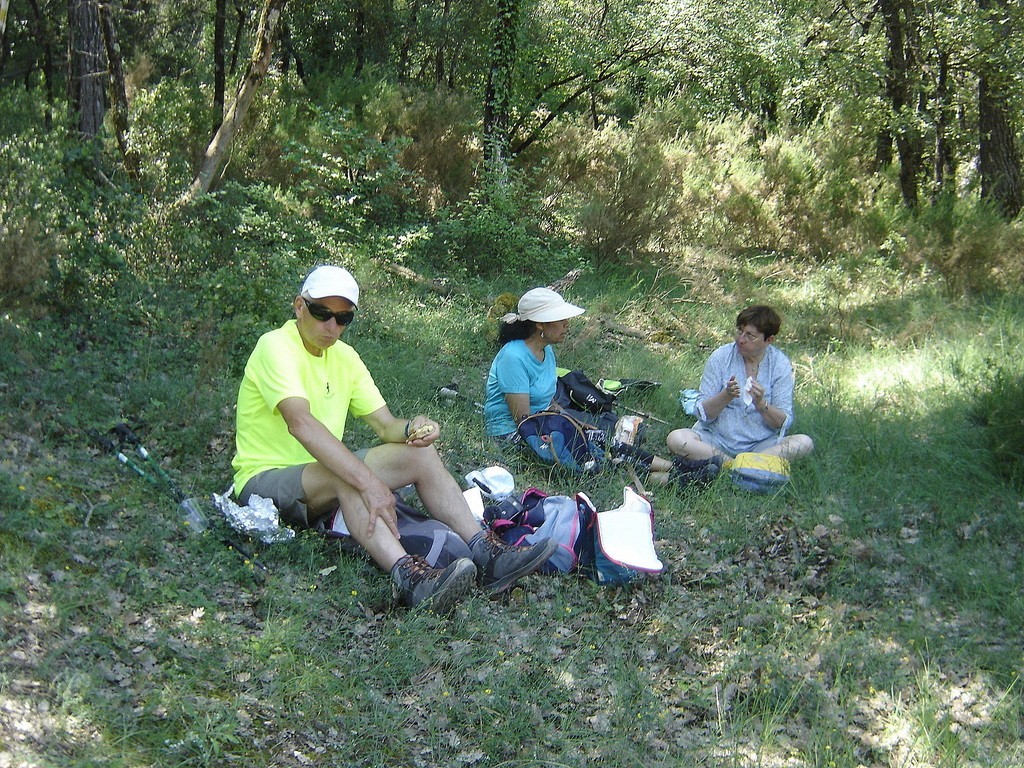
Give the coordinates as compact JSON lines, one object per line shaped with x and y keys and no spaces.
{"x":323,"y":314}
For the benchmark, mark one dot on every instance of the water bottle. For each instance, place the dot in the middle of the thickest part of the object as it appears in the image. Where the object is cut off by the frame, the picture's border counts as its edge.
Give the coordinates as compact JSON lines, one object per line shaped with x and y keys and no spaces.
{"x":192,"y":516}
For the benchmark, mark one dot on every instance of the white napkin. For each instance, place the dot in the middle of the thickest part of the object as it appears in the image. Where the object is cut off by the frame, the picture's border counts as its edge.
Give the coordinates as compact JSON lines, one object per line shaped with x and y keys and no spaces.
{"x":745,"y":397}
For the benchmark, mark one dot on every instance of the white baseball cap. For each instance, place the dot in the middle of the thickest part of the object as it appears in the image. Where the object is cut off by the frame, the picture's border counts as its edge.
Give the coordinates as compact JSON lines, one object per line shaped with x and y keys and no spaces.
{"x":542,"y":305}
{"x":331,"y":281}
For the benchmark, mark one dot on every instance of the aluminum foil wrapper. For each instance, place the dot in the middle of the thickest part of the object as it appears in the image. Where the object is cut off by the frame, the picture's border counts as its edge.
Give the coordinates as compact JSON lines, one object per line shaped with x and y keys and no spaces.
{"x":258,"y":518}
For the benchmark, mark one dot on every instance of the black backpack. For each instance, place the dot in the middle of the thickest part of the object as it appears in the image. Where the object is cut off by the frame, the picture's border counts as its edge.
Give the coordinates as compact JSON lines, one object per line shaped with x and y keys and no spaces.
{"x":576,"y":390}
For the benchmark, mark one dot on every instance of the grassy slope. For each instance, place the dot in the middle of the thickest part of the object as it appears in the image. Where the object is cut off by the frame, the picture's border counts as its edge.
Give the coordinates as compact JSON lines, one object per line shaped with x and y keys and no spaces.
{"x":869,"y":615}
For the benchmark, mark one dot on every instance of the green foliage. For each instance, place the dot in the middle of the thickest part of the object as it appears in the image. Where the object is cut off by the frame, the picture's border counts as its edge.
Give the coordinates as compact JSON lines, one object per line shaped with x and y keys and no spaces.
{"x":648,"y":188}
{"x":29,"y":236}
{"x":438,"y":140}
{"x":65,"y":235}
{"x":804,"y":195}
{"x":322,"y":154}
{"x":171,"y":127}
{"x":966,"y":241}
{"x":497,"y":230}
{"x":616,"y":188}
{"x":998,"y":390}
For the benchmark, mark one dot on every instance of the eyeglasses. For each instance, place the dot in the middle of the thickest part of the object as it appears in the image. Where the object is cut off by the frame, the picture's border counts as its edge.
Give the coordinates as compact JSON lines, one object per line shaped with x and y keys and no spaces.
{"x":323,"y":314}
{"x":748,"y":336}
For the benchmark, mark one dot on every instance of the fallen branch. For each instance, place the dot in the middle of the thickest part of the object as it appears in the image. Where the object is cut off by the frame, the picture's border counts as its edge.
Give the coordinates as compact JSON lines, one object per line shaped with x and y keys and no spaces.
{"x":623,"y":330}
{"x":434,"y":286}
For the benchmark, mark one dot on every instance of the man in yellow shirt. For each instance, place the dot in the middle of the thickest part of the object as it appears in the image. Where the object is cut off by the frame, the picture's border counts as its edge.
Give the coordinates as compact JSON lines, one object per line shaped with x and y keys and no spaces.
{"x":299,"y":386}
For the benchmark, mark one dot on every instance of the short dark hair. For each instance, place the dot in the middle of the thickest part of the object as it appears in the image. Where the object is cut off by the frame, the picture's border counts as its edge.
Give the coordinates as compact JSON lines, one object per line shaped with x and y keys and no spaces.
{"x":514,"y":331}
{"x":762,"y":317}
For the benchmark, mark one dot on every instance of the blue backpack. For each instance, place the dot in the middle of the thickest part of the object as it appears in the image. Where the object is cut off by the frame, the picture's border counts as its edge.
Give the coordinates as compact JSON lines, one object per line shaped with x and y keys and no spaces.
{"x":611,"y":548}
{"x":538,"y":517}
{"x":558,"y":439}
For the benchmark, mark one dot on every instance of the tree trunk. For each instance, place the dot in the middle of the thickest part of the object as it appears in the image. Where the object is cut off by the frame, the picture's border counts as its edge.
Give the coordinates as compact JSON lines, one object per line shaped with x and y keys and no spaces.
{"x":3,"y":33}
{"x":899,"y":30}
{"x":118,"y":94}
{"x":42,"y":35}
{"x":944,"y":163}
{"x":406,"y":46}
{"x":360,"y":41}
{"x":998,"y":157}
{"x":498,"y":97}
{"x":440,"y":69}
{"x":288,"y":54}
{"x":255,"y":72}
{"x":88,"y":70}
{"x":241,"y":19}
{"x":220,"y":22}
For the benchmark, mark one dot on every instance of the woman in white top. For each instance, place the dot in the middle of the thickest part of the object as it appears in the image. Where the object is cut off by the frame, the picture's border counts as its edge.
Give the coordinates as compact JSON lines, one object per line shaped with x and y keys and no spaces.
{"x":746,"y":397}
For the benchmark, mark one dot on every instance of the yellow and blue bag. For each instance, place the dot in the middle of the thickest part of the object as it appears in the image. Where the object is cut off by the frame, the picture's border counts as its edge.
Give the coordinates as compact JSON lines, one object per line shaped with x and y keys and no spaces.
{"x":759,"y":472}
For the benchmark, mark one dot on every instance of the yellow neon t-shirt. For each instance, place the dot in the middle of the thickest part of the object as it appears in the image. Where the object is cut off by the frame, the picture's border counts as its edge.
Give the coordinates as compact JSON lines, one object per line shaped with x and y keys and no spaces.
{"x":335,"y":384}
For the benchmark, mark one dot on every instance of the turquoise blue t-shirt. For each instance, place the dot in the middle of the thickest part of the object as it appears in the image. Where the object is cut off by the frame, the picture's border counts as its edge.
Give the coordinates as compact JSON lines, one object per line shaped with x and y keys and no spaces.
{"x":515,"y":370}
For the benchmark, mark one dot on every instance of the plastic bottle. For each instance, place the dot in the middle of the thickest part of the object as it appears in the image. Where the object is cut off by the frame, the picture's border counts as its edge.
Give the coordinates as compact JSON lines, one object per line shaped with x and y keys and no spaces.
{"x":192,"y":516}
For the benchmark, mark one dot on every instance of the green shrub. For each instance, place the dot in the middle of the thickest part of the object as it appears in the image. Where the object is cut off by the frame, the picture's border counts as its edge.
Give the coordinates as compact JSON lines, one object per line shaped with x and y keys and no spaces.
{"x":324,"y":155}
{"x":616,"y":188}
{"x":438,"y":146}
{"x":172,"y":124}
{"x":496,"y":231}
{"x":997,"y":398}
{"x":965,"y":241}
{"x":30,"y":165}
{"x":802,"y":194}
{"x":64,"y":234}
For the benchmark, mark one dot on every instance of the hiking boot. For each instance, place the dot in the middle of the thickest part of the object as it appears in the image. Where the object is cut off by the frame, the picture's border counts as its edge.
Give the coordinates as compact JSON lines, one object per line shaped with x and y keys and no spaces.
{"x":417,"y":584}
{"x":623,"y":453}
{"x":501,"y":564}
{"x":699,"y":472}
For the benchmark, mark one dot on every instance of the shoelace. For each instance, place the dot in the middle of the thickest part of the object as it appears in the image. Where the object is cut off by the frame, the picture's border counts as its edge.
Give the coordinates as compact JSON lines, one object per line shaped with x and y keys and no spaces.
{"x":414,"y":568}
{"x":496,"y":546}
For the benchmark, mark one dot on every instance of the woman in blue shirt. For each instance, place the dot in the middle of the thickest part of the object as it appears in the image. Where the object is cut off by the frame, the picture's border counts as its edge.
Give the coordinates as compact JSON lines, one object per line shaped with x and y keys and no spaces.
{"x":522,"y":379}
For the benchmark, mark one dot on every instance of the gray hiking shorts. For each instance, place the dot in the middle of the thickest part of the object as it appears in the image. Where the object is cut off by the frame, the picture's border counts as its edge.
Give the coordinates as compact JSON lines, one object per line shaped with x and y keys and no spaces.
{"x":283,"y":486}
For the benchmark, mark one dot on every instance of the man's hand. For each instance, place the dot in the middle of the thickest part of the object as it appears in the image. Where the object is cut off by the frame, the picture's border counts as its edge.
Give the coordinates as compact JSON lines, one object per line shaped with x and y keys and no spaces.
{"x":380,"y":503}
{"x":422,"y":431}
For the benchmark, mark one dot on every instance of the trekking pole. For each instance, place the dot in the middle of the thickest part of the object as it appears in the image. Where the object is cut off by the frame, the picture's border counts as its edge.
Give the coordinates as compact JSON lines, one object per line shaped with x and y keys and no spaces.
{"x":636,"y":480}
{"x":646,"y":415}
{"x":231,"y":542}
{"x":188,"y":508}
{"x":125,"y":433}
{"x":108,"y":445}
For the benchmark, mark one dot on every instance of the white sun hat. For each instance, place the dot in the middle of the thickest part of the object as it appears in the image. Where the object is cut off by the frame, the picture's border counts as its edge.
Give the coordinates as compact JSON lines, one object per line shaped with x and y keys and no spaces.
{"x":494,"y":482}
{"x":542,"y":305}
{"x":327,"y":281}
